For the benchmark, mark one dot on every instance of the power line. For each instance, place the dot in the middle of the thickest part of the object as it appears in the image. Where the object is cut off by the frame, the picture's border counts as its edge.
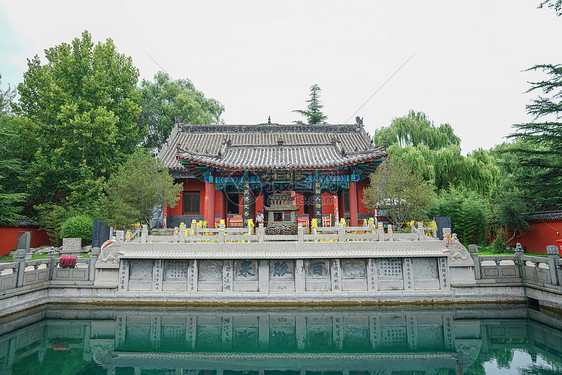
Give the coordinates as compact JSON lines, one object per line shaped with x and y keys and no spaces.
{"x":156,"y":62}
{"x":380,"y":88}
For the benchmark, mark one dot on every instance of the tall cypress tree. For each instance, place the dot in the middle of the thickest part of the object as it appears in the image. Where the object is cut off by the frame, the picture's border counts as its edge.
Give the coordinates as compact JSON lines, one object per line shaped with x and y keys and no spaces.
{"x":313,"y":112}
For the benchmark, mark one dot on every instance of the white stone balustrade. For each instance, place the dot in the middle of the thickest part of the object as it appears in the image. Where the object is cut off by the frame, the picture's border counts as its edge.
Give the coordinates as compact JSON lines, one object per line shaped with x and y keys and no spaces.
{"x":35,"y":273}
{"x":257,"y":235}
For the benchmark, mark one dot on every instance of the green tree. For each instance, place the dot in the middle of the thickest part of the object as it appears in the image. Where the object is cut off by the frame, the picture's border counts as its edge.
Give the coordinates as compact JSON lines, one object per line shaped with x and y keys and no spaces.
{"x":508,"y":205}
{"x":553,"y":4}
{"x":6,"y":98}
{"x":51,"y":218}
{"x":164,"y":100}
{"x":140,"y":185}
{"x":447,"y":167}
{"x":434,"y":153}
{"x":476,"y":171}
{"x":84,"y":101}
{"x":416,"y":129}
{"x":11,"y":202}
{"x":313,"y":111}
{"x":469,"y":214}
{"x":403,"y":194}
{"x":539,"y":154}
{"x":12,"y":167}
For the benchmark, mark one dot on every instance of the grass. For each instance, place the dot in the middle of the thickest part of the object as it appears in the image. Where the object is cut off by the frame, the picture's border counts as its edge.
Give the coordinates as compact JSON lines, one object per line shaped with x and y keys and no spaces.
{"x":10,"y":259}
{"x":489,"y":250}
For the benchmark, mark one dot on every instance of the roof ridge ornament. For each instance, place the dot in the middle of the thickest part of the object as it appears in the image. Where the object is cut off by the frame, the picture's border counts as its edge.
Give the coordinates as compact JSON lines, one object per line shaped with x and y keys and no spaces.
{"x":359,"y":121}
{"x":224,"y":146}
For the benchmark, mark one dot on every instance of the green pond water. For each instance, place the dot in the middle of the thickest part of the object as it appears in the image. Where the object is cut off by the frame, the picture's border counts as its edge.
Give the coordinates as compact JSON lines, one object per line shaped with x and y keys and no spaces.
{"x":59,"y":340}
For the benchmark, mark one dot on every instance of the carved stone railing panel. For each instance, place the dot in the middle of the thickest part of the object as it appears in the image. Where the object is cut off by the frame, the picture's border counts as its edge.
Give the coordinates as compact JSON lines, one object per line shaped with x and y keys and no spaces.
{"x":320,"y":234}
{"x":79,"y":273}
{"x":521,"y":269}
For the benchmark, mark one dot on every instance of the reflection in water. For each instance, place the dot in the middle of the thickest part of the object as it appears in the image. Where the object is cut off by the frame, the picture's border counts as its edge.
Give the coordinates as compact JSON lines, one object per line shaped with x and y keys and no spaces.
{"x":51,"y":340}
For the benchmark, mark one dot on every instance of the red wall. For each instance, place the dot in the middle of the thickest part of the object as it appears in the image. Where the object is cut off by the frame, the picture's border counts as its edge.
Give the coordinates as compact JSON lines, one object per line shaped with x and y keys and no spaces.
{"x":360,"y":186}
{"x":328,"y":201}
{"x":191,"y":184}
{"x":9,"y":238}
{"x":540,"y":235}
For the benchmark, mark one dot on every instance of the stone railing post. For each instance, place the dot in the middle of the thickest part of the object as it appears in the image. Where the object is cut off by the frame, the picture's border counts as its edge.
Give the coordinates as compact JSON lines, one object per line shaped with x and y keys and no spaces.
{"x":221,"y":233}
{"x":52,"y":262}
{"x":447,"y":238}
{"x":20,"y":260}
{"x":381,"y":232}
{"x":373,"y":232}
{"x":183,"y":231}
{"x":389,"y":232}
{"x":261,"y":233}
{"x":473,"y":250}
{"x":314,"y":234}
{"x":518,"y":254}
{"x":341,"y":233}
{"x":94,"y":254}
{"x":300,"y":233}
{"x":144,"y":233}
{"x":553,"y":255}
{"x":193,"y":230}
{"x":421,"y":231}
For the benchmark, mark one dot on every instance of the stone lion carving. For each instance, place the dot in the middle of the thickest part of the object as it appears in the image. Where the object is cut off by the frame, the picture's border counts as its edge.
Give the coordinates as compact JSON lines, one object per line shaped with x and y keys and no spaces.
{"x":457,"y":253}
{"x":110,"y":254}
{"x":101,"y":350}
{"x":468,"y":349}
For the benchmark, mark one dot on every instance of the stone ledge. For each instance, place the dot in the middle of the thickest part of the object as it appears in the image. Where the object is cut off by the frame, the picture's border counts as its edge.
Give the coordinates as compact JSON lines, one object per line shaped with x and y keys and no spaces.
{"x":282,"y":250}
{"x":109,"y":295}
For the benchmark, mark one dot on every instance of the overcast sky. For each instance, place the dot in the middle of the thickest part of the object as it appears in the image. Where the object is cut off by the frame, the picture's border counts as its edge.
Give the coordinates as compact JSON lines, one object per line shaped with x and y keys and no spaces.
{"x":259,"y":58}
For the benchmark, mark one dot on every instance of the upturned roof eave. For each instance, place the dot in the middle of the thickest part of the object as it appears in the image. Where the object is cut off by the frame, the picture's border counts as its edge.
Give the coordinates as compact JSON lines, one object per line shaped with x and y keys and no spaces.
{"x":267,"y":167}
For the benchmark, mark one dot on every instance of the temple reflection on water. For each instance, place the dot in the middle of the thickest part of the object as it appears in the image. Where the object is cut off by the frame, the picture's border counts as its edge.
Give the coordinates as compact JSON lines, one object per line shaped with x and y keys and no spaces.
{"x":303,"y":342}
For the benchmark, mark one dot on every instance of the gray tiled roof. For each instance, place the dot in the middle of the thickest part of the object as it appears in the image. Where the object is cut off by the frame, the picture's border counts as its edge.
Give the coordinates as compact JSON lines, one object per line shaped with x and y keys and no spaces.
{"x":267,"y":146}
{"x":544,"y":216}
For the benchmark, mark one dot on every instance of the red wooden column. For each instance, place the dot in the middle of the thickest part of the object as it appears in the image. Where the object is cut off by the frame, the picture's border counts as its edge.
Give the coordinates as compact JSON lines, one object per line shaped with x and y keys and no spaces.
{"x":223,"y":205}
{"x":353,"y":204}
{"x":210,"y":201}
{"x":341,"y":205}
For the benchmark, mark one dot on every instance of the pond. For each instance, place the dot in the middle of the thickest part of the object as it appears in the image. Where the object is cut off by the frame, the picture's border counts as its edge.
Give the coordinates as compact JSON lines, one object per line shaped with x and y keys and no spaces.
{"x":137,"y":340}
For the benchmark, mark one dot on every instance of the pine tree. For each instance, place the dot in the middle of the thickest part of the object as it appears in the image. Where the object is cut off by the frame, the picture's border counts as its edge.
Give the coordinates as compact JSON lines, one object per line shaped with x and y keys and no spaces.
{"x":540,"y":151}
{"x":553,"y":4}
{"x":313,"y":111}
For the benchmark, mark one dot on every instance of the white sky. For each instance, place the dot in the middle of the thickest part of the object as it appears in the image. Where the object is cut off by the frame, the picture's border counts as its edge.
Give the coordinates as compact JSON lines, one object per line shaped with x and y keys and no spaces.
{"x":259,"y":58}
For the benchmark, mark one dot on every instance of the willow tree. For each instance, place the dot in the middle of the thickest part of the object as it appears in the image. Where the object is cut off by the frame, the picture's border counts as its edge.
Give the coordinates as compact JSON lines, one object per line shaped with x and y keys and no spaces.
{"x":416,"y":129}
{"x":435,"y":154}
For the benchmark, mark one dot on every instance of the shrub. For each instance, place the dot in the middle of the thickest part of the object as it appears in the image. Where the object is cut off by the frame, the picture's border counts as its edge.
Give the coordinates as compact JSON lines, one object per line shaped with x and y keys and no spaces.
{"x":468,"y":212}
{"x":78,"y":226}
{"x":498,"y":245}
